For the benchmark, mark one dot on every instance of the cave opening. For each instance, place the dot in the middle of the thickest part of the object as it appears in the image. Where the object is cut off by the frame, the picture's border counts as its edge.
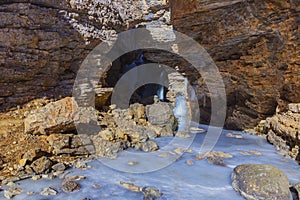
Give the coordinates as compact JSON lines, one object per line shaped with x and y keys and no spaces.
{"x":144,"y":94}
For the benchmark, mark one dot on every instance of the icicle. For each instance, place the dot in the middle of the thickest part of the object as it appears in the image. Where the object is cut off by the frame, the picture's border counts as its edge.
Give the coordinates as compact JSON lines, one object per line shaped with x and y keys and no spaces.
{"x":161,"y":93}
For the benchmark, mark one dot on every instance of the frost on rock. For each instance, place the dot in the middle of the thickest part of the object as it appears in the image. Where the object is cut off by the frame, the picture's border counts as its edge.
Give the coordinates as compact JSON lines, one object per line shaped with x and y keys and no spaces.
{"x":103,"y":19}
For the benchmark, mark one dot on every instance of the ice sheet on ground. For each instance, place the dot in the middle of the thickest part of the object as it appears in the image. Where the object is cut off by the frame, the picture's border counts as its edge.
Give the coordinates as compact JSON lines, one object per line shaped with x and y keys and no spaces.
{"x":179,"y":180}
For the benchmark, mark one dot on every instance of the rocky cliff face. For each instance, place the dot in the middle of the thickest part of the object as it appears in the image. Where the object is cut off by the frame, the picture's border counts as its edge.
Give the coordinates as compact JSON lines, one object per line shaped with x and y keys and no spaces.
{"x":255,"y":44}
{"x":42,"y":43}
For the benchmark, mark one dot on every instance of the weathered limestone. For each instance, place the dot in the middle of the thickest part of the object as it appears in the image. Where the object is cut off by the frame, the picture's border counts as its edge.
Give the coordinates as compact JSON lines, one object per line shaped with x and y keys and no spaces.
{"x":43,"y":43}
{"x":255,"y":45}
{"x":283,"y":131}
{"x":260,"y":182}
{"x":56,"y":117}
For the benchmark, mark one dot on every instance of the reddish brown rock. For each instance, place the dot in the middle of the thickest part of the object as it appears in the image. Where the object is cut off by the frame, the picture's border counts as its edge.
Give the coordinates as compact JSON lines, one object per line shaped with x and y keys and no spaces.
{"x":41,"y":165}
{"x":70,"y":186}
{"x":56,"y":117}
{"x":43,"y":43}
{"x":255,"y":45}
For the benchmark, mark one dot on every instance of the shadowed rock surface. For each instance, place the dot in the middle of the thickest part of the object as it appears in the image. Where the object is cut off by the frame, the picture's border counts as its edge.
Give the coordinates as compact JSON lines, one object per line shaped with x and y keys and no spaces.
{"x":255,"y":45}
{"x":44,"y":42}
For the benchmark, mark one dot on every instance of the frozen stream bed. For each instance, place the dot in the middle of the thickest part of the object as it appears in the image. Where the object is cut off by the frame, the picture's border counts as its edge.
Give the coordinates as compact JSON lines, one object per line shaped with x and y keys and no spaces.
{"x":186,"y":178}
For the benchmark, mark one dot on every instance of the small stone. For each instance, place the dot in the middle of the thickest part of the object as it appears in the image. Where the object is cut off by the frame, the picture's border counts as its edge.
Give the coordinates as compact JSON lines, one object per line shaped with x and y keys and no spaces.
{"x":9,"y":194}
{"x":189,"y":162}
{"x":294,"y":107}
{"x":11,"y":184}
{"x":234,"y":135}
{"x":164,"y":155}
{"x":230,"y":134}
{"x":63,"y":175}
{"x":41,"y":165}
{"x":30,"y":193}
{"x":80,"y":164}
{"x":215,"y":160}
{"x":131,"y":186}
{"x":96,"y":186}
{"x":28,"y":169}
{"x":197,"y":130}
{"x":59,"y":167}
{"x":189,"y":151}
{"x":151,"y":193}
{"x":48,"y":191}
{"x":214,"y":157}
{"x":132,"y":163}
{"x":70,"y":186}
{"x":32,"y":155}
{"x":36,"y":177}
{"x":200,"y":157}
{"x":75,"y":178}
{"x":149,"y":146}
{"x":112,"y":106}
{"x":47,"y":176}
{"x":183,"y":134}
{"x":179,"y":150}
{"x":58,"y":173}
{"x":255,"y":152}
{"x":219,"y":154}
{"x":245,"y":153}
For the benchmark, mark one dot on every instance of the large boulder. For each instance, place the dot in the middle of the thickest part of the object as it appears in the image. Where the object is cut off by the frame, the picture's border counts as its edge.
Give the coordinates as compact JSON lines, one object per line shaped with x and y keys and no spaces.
{"x":161,"y":115}
{"x":260,"y":182}
{"x":55,"y":117}
{"x":61,"y":116}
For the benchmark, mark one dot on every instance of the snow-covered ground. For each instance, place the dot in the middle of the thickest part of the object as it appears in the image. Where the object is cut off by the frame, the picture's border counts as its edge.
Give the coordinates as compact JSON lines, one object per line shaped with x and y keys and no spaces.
{"x":196,"y":180}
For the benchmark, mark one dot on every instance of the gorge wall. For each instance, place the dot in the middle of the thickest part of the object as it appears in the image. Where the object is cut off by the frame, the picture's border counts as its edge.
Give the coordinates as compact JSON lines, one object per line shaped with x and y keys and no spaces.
{"x":43,"y":43}
{"x":254,"y":43}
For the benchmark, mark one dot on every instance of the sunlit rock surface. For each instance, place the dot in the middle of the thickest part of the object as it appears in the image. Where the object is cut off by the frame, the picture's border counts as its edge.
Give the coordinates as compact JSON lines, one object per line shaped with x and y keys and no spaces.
{"x":283,"y":131}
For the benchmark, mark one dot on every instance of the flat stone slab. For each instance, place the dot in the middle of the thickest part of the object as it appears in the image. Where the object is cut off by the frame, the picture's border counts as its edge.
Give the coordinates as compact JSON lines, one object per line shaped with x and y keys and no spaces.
{"x":294,"y":107}
{"x":56,"y":117}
